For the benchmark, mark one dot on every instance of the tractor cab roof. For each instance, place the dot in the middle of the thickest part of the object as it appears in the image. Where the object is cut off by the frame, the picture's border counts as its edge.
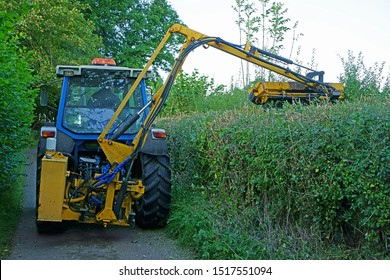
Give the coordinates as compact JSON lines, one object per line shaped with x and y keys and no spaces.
{"x":99,"y":64}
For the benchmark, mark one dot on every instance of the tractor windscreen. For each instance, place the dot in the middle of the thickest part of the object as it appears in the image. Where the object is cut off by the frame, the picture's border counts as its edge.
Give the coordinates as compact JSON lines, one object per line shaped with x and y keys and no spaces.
{"x":92,"y":99}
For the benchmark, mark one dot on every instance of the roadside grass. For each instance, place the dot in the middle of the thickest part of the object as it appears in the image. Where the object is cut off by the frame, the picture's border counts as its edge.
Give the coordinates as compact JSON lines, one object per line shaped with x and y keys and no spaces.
{"x":205,"y":226}
{"x":11,"y":200}
{"x":11,"y":194}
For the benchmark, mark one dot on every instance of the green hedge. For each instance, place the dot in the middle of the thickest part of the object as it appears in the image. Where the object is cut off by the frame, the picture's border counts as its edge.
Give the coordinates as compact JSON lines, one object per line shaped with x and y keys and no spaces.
{"x":16,"y":97}
{"x":255,"y":184}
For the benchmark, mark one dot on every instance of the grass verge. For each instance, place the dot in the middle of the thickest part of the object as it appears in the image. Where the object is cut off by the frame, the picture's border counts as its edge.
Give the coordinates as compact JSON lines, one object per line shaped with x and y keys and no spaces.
{"x":10,"y":210}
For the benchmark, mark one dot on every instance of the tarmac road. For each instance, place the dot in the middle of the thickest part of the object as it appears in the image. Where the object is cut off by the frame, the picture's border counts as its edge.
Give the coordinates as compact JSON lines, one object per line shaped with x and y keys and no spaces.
{"x":84,"y":241}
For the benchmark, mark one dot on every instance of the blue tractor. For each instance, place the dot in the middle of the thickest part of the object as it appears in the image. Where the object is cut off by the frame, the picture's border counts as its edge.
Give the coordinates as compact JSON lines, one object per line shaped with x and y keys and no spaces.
{"x":76,"y":181}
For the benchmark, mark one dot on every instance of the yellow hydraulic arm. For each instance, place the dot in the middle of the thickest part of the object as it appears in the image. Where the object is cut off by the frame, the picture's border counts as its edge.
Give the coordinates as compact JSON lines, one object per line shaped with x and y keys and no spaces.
{"x":117,"y":152}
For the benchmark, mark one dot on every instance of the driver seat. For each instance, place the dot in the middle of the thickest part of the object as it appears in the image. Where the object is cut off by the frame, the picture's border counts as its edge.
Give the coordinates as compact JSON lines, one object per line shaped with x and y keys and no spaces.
{"x":103,"y":98}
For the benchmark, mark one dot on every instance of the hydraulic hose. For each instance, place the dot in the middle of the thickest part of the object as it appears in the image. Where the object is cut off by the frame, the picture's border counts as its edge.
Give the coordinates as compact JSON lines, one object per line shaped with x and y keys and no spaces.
{"x":119,"y":200}
{"x":75,"y":163}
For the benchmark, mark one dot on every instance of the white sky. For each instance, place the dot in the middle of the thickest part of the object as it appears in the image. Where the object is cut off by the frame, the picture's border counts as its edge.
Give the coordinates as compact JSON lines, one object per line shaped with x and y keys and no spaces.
{"x":331,"y":27}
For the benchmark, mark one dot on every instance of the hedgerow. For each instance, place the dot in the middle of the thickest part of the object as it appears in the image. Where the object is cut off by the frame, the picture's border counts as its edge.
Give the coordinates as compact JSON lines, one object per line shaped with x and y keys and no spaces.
{"x":16,"y":97}
{"x":284,"y":183}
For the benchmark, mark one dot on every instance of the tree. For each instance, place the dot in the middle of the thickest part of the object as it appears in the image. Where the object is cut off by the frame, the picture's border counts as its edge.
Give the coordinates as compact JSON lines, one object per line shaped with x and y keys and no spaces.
{"x":249,"y":25}
{"x":131,"y":30}
{"x":278,"y":26}
{"x":57,"y":33}
{"x":272,"y":23}
{"x":189,"y":92}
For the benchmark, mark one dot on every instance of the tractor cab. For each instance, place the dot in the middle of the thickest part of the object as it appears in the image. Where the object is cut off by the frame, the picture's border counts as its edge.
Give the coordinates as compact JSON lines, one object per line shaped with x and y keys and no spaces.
{"x":92,"y":93}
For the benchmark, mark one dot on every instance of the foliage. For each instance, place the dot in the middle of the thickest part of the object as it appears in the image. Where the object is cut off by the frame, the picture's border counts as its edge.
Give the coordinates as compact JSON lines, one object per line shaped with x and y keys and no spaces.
{"x":110,"y":28}
{"x":284,"y":184}
{"x":57,"y":33}
{"x":248,"y":22}
{"x":131,"y":30}
{"x":272,"y":26}
{"x":10,"y":211}
{"x":362,"y":82}
{"x":189,"y":93}
{"x":305,"y":182}
{"x":16,"y":98}
{"x":278,"y":26}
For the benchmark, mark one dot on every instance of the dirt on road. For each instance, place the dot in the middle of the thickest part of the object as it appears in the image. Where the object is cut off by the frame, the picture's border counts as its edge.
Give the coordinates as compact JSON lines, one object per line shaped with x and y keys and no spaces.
{"x":84,"y":241}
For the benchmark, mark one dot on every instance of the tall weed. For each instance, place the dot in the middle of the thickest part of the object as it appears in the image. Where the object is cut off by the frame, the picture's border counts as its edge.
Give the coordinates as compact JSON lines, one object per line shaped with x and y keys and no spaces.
{"x":361,"y":81}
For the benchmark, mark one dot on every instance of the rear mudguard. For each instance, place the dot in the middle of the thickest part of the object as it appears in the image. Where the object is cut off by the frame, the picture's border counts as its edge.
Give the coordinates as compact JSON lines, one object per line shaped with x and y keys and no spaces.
{"x":155,"y":146}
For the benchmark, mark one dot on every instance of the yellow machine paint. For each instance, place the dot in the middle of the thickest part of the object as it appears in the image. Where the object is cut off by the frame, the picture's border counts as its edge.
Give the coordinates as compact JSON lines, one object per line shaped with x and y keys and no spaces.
{"x":52,"y":187}
{"x":53,"y":205}
{"x":262,"y":92}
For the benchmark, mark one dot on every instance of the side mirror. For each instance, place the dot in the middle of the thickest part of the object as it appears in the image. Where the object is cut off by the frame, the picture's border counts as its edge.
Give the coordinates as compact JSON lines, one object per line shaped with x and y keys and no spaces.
{"x":149,"y":93}
{"x":43,"y":98}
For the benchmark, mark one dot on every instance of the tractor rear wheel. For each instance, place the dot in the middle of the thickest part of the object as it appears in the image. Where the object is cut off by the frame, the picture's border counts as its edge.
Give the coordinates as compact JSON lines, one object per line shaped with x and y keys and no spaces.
{"x":152,"y":209}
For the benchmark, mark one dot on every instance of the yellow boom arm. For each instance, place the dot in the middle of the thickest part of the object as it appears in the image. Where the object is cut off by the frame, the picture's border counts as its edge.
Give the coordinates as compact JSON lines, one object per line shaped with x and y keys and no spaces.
{"x":117,"y":152}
